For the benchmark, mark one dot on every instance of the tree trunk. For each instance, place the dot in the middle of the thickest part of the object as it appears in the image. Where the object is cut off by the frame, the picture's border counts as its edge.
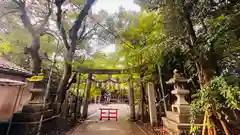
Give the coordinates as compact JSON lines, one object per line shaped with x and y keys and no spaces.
{"x":203,"y":64}
{"x":131,"y":100}
{"x":61,"y":92}
{"x":203,"y":61}
{"x":36,"y":62}
{"x":205,"y":72}
{"x":162,"y":90}
{"x":35,"y":57}
{"x":73,"y":36}
{"x":87,"y":96}
{"x":35,"y":33}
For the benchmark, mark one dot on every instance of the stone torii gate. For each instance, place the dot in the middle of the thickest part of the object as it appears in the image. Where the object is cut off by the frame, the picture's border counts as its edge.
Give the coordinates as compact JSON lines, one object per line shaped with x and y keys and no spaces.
{"x":90,"y":73}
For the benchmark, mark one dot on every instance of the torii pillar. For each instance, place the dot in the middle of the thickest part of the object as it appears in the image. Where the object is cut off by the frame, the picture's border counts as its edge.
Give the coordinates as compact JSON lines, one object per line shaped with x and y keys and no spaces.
{"x":86,"y":98}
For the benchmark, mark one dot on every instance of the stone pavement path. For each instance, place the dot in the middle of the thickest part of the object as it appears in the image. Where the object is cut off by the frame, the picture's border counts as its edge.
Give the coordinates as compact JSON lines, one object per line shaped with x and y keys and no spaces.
{"x":93,"y":126}
{"x":123,"y":111}
{"x":93,"y":108}
{"x":108,"y":128}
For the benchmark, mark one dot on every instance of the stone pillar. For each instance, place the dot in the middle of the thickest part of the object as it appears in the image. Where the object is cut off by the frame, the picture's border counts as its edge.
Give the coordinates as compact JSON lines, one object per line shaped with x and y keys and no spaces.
{"x":131,"y":100}
{"x":86,"y":98}
{"x":151,"y":104}
{"x":180,"y":106}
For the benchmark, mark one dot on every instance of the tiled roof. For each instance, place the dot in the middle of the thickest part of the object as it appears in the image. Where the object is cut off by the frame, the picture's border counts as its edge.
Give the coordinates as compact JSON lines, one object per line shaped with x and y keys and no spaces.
{"x":8,"y":66}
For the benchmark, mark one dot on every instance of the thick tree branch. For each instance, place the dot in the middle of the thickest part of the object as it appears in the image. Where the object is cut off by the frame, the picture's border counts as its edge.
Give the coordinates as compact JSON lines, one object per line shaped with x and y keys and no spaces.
{"x":83,"y":30}
{"x":77,"y":24}
{"x":25,"y":18}
{"x":46,"y":18}
{"x":60,"y":24}
{"x":83,"y":36}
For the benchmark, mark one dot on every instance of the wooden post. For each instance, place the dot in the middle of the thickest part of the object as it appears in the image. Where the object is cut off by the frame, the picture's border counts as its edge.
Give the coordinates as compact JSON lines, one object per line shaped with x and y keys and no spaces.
{"x":151,"y":104}
{"x":65,"y":106}
{"x":70,"y":104}
{"x":78,"y":105}
{"x":131,"y":99}
{"x":162,"y":90}
{"x":73,"y":106}
{"x":142,"y":99}
{"x":79,"y":109}
{"x":86,"y":98}
{"x":120,"y":91}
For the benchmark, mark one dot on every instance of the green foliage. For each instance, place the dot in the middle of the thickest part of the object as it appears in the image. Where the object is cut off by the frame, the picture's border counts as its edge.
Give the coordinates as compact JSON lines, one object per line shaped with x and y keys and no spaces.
{"x":144,"y":44}
{"x":218,"y":20}
{"x":232,"y":79}
{"x":219,"y":95}
{"x":5,"y":47}
{"x":48,"y":44}
{"x":99,"y":61}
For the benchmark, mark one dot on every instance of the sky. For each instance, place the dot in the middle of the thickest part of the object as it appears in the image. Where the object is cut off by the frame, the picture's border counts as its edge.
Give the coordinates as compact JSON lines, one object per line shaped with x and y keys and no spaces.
{"x":112,"y":6}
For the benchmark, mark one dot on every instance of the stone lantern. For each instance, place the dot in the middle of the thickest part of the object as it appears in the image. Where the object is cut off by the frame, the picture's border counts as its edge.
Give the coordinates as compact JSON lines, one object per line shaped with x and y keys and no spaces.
{"x":38,"y":91}
{"x":35,"y":109}
{"x":179,"y":83}
{"x":177,"y":121}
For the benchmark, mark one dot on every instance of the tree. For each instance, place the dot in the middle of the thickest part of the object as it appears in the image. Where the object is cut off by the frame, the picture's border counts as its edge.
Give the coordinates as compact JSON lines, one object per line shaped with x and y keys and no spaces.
{"x":35,"y":27}
{"x":70,"y":42}
{"x":205,"y":23}
{"x":140,"y":57}
{"x":202,"y":29}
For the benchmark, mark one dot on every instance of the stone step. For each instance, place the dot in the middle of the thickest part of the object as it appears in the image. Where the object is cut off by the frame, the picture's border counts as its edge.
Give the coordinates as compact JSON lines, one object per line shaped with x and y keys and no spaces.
{"x":183,"y":118}
{"x":178,"y":118}
{"x":173,"y":126}
{"x":31,"y":108}
{"x":32,"y":117}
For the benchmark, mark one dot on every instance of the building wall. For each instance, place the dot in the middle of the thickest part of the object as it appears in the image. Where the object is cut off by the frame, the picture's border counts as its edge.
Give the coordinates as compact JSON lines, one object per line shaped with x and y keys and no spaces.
{"x":11,"y":95}
{"x":12,"y":99}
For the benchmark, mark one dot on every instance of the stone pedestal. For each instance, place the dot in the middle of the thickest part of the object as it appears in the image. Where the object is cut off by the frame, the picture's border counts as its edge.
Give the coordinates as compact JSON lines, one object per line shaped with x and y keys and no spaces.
{"x":180,"y":106}
{"x":37,"y":96}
